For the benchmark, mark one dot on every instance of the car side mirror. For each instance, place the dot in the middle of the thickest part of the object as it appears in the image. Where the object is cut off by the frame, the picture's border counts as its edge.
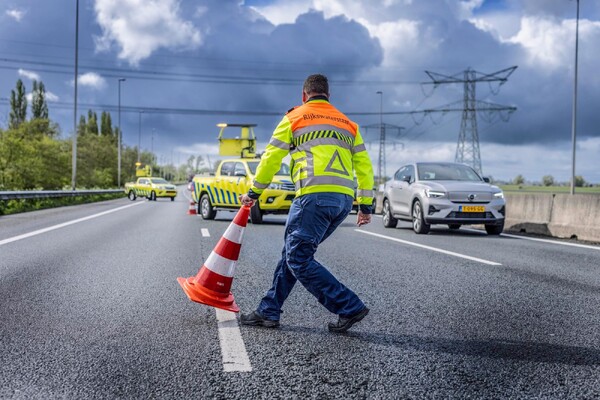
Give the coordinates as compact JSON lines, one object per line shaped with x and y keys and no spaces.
{"x":406,"y":178}
{"x":486,"y":179}
{"x":240,"y":173}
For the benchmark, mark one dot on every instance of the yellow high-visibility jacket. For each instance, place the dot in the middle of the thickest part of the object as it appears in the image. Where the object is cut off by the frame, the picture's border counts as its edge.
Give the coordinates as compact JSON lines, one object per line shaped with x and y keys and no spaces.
{"x":327,"y":151}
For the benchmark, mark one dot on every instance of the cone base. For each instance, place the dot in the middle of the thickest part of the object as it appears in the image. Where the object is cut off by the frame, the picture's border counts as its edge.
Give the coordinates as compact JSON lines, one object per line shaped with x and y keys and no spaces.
{"x":202,"y":295}
{"x":192,"y":212}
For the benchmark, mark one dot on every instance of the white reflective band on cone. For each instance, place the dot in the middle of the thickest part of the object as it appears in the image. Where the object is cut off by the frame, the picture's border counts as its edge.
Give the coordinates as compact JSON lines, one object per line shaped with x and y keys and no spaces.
{"x":220,"y":265}
{"x":234,"y":233}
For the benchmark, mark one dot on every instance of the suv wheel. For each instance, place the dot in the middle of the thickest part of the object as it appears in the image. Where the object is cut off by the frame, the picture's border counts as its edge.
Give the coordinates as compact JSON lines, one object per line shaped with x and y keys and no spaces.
{"x":131,"y":195}
{"x":494,"y":229}
{"x":206,"y":209}
{"x":419,"y":224}
{"x":388,"y":220}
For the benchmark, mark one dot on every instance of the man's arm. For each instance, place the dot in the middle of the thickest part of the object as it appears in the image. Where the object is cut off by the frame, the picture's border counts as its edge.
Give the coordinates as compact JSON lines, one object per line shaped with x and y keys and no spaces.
{"x":270,"y":162}
{"x":364,"y":176}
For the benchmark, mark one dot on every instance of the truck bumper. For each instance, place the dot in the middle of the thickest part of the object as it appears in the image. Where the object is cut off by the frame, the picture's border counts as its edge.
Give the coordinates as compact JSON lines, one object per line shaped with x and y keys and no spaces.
{"x":276,"y":201}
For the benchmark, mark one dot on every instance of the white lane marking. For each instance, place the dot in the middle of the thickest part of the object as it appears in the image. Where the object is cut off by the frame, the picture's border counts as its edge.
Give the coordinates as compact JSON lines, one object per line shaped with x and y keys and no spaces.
{"x":551,"y":241}
{"x":451,"y":253}
{"x":205,"y":232}
{"x":233,"y":350}
{"x":75,"y":221}
{"x":584,"y":246}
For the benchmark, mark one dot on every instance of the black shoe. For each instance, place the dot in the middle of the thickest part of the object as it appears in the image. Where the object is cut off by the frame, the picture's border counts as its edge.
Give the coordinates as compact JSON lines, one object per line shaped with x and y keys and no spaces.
{"x":343,"y":324}
{"x":255,"y":319}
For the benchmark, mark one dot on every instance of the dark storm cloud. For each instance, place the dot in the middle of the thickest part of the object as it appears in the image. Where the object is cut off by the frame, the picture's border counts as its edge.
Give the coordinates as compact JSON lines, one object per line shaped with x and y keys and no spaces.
{"x":244,"y":44}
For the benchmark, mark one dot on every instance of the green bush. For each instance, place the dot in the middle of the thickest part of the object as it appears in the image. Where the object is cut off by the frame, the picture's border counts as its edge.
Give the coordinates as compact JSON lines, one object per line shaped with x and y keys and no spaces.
{"x":24,"y":205}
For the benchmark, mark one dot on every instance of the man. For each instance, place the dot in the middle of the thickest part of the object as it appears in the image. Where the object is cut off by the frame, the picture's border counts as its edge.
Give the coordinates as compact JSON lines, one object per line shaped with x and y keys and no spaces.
{"x":326,"y":150}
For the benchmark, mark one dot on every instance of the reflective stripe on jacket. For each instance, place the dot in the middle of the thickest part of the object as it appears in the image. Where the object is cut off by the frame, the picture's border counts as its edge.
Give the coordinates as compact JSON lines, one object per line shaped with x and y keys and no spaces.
{"x":327,"y":150}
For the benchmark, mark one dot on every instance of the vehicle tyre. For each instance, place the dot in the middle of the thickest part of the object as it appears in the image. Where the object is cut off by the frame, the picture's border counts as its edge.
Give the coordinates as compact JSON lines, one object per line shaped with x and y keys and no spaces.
{"x":388,"y":220}
{"x":172,"y":198}
{"x":494,"y":229}
{"x":419,"y":225}
{"x":153,"y":196}
{"x":131,"y":195}
{"x":454,"y":226}
{"x":206,"y":209}
{"x":256,"y":215}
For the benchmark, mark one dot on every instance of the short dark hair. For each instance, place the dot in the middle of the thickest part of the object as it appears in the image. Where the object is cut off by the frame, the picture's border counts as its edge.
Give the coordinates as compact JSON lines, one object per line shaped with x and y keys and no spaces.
{"x":316,"y":83}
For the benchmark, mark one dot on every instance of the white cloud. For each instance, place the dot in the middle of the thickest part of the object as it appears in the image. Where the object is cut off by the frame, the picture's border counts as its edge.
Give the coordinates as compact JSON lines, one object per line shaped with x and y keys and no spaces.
{"x":140,"y":27}
{"x":51,"y":97}
{"x":466,"y":8}
{"x":17,"y":15}
{"x":286,"y":12}
{"x":92,"y":79}
{"x":279,"y":14}
{"x":29,"y":74}
{"x":550,"y":43}
{"x":395,"y":37}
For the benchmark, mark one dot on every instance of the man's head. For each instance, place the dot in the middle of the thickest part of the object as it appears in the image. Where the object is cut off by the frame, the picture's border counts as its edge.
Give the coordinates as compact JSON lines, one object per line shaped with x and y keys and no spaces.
{"x":315,"y":85}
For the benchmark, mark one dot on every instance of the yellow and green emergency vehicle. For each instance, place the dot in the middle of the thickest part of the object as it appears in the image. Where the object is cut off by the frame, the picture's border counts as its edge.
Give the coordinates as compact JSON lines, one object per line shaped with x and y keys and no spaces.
{"x":234,"y":176}
{"x":148,"y":186}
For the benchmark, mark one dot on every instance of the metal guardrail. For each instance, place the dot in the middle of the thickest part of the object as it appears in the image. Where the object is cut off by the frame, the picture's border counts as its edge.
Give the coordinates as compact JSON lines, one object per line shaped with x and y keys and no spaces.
{"x":45,"y":194}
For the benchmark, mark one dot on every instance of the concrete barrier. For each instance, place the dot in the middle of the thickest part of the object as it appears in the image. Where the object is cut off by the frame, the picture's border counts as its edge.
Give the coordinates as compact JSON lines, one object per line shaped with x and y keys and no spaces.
{"x":576,"y":216}
{"x":528,"y":212}
{"x":558,"y":215}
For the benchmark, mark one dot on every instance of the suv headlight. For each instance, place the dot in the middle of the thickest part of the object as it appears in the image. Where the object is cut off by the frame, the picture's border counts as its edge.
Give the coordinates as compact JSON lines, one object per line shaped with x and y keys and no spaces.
{"x":275,"y":186}
{"x":499,"y":195}
{"x":434,"y":194}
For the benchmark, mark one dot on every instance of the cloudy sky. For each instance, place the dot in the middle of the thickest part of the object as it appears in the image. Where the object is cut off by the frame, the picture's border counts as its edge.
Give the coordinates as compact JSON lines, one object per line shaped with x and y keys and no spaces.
{"x":190,"y":64}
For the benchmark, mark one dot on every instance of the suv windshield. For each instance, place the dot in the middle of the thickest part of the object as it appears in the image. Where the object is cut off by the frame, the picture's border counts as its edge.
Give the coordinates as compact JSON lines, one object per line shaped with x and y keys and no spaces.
{"x":447,"y":172}
{"x":284,"y":170}
{"x":159,"y":181}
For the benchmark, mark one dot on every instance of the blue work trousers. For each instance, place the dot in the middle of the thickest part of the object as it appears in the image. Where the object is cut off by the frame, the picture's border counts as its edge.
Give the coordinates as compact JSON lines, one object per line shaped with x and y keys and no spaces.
{"x":312,"y":218}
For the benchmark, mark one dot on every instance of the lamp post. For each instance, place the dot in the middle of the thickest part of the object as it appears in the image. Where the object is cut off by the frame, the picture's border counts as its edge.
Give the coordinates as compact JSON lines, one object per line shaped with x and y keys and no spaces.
{"x":152,"y":146}
{"x":381,"y":164}
{"x":140,"y":137}
{"x":574,"y":124}
{"x":74,"y":151}
{"x":119,"y":137}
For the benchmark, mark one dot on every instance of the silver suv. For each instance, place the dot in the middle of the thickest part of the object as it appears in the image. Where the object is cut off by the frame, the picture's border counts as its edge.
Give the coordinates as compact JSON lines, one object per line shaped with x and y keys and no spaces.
{"x":429,"y":193}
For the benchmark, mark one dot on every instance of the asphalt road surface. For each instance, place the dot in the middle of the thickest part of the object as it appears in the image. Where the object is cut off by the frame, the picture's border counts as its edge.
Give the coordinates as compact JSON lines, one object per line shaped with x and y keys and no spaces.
{"x":90,"y":308}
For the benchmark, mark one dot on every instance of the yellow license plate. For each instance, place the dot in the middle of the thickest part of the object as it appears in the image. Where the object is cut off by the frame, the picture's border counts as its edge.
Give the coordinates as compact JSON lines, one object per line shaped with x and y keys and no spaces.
{"x":471,"y":209}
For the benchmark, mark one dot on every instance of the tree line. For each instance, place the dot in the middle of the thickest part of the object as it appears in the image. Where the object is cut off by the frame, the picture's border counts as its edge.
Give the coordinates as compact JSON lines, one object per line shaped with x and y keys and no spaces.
{"x":33,"y":155}
{"x":548,"y":180}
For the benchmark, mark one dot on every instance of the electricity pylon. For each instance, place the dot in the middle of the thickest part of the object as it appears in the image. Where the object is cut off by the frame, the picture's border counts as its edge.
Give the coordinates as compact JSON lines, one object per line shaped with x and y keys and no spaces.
{"x":467,"y":149}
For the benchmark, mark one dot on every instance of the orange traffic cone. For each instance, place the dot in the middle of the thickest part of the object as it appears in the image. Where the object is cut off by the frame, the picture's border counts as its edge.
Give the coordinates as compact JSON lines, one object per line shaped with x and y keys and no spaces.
{"x":213,"y":283}
{"x":192,"y":208}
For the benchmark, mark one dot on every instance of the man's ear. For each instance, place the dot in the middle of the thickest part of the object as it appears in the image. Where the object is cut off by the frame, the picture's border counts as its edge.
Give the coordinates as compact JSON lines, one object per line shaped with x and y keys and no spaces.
{"x":304,"y":97}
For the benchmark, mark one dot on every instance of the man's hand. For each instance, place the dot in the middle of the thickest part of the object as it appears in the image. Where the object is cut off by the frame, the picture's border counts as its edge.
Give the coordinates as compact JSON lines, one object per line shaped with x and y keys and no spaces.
{"x":246,"y":200}
{"x":362,"y":219}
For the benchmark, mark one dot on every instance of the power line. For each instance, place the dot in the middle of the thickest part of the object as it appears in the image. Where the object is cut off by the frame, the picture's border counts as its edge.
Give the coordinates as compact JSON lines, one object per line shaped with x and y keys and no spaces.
{"x":110,"y":72}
